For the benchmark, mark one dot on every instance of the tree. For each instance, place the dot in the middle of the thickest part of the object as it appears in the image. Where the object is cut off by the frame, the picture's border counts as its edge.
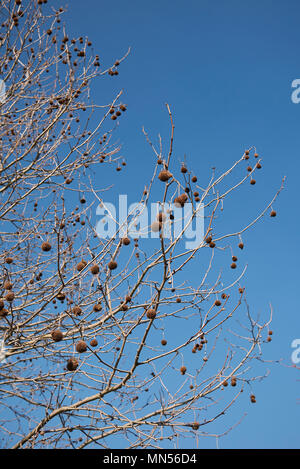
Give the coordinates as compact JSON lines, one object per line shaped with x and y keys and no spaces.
{"x":106,"y":337}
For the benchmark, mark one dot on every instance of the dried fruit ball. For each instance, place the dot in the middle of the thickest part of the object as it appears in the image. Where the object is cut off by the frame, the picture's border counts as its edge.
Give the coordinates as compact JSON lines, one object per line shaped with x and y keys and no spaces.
{"x":151,"y":313}
{"x":183,"y":370}
{"x":252,"y":398}
{"x":46,"y":246}
{"x":112,"y":265}
{"x":252,"y":182}
{"x":164,"y":175}
{"x":218,"y":303}
{"x":183,"y":169}
{"x":77,"y":310}
{"x":81,"y":346}
{"x":72,"y":364}
{"x":57,"y":335}
{"x":94,"y":343}
{"x":81,"y":265}
{"x":273,"y":213}
{"x":241,"y":245}
{"x":10,"y":296}
{"x":126,"y":241}
{"x":233,"y":265}
{"x":163,"y":342}
{"x":194,"y":179}
{"x":95,"y":269}
{"x":234,"y":258}
{"x":233,"y":381}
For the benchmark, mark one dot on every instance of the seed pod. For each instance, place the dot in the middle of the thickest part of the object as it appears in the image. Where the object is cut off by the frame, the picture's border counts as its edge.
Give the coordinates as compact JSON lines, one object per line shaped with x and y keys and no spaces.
{"x":225,"y":383}
{"x":10,"y":296}
{"x":218,"y":303}
{"x":81,"y":346}
{"x":273,"y":213}
{"x":112,"y":265}
{"x":183,"y":169}
{"x":183,"y":370}
{"x":72,"y":364}
{"x":233,"y":381}
{"x":194,"y":179}
{"x":195,"y":425}
{"x":252,"y":399}
{"x":61,"y":296}
{"x":164,"y":175}
{"x":8,"y":285}
{"x":151,"y":313}
{"x":233,"y":265}
{"x":212,"y":244}
{"x":127,"y":298}
{"x":77,"y":311}
{"x":57,"y":335}
{"x":252,"y":182}
{"x":46,"y":246}
{"x":94,"y":343}
{"x":178,"y":300}
{"x":8,"y":260}
{"x":97,"y":307}
{"x":3,"y":313}
{"x":223,"y":296}
{"x":156,"y":226}
{"x":234,"y":258}
{"x":94,"y":269}
{"x":208,"y":239}
{"x":258,"y":165}
{"x":241,"y":245}
{"x":163,"y":342}
{"x":124,"y":307}
{"x":81,"y":265}
{"x":126,"y":241}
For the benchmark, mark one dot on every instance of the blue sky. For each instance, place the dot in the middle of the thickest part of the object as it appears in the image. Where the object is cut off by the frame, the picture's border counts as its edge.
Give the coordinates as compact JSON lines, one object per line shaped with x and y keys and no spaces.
{"x":225,"y":68}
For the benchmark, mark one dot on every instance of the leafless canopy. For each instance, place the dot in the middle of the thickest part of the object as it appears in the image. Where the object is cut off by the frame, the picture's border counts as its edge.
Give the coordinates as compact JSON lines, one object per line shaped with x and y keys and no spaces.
{"x":104,"y":341}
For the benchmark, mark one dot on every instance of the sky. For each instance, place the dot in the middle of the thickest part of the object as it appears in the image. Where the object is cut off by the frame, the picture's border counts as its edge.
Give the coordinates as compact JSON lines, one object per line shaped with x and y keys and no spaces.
{"x":226,"y":69}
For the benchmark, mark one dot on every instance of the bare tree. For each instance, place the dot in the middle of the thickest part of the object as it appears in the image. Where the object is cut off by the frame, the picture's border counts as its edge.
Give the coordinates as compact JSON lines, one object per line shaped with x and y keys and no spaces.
{"x":107,"y":341}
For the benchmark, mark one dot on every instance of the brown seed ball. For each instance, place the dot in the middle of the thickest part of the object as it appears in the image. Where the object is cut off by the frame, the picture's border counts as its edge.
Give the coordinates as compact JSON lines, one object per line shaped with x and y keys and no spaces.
{"x":225,"y":384}
{"x":183,"y":370}
{"x":46,"y":246}
{"x":178,"y":300}
{"x":126,"y":241}
{"x":97,"y":307}
{"x":194,"y":179}
{"x":8,"y":260}
{"x":80,"y":266}
{"x":269,"y":338}
{"x":10,"y":296}
{"x":212,"y":244}
{"x":252,"y":182}
{"x":127,"y":298}
{"x":94,"y":269}
{"x":151,"y":313}
{"x":8,"y":285}
{"x":3,"y":313}
{"x":241,"y":245}
{"x":163,"y":342}
{"x":195,"y":425}
{"x":68,"y":181}
{"x":255,"y":155}
{"x":252,"y":399}
{"x":81,"y":346}
{"x":249,"y":169}
{"x":258,"y":165}
{"x":57,"y":335}
{"x":223,"y":296}
{"x":72,"y":364}
{"x":273,"y":213}
{"x":124,"y":307}
{"x":123,"y":108}
{"x":77,"y":311}
{"x":183,"y":169}
{"x":233,"y":381}
{"x":112,"y":265}
{"x":234,"y":258}
{"x":270,"y":332}
{"x":218,"y":303}
{"x":164,"y":175}
{"x":94,"y":343}
{"x":61,"y":296}
{"x":156,"y":226}
{"x":208,"y":239}
{"x":233,"y":265}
